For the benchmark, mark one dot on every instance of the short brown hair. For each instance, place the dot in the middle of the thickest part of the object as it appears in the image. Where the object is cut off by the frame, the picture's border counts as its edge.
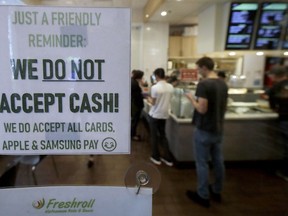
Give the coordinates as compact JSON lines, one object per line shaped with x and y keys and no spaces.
{"x":160,"y":73}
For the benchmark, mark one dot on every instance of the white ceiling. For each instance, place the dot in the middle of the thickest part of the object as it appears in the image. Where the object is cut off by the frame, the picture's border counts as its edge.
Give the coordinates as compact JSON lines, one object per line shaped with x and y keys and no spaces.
{"x":183,"y":11}
{"x":179,"y":11}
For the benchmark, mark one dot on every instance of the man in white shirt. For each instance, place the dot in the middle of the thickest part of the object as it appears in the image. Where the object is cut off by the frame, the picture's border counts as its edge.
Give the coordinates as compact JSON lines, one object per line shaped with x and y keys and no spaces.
{"x":161,"y":94}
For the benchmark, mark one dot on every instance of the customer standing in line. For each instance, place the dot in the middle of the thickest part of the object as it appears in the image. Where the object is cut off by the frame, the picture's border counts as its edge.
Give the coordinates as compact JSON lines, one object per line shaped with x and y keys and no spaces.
{"x":137,"y":102}
{"x":209,"y":109}
{"x":161,"y":94}
{"x":278,"y":100}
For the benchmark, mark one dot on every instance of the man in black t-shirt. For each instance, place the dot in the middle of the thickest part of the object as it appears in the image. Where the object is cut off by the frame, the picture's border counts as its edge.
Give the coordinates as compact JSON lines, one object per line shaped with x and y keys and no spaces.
{"x":209,"y":109}
{"x":278,"y":99}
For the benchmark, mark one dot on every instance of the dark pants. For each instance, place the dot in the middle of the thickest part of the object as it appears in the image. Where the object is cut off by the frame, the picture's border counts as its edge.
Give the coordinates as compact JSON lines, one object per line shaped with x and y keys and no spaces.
{"x":158,"y":139}
{"x":134,"y":121}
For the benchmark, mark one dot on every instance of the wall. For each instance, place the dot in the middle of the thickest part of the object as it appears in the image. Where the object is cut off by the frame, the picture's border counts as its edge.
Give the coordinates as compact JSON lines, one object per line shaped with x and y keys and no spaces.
{"x":136,"y":47}
{"x":212,"y":27}
{"x":149,"y":47}
{"x":222,"y":19}
{"x":155,"y":46}
{"x":253,"y":69}
{"x":206,"y":30}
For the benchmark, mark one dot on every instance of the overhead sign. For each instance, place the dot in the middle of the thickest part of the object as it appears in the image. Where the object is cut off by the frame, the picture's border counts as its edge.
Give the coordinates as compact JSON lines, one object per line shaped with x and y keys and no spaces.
{"x":65,"y":80}
{"x":71,"y":200}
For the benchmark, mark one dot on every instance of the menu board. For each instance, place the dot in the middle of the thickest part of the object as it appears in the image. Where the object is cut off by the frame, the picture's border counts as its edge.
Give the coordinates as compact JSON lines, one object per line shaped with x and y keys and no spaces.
{"x":241,"y":25}
{"x":270,"y":26}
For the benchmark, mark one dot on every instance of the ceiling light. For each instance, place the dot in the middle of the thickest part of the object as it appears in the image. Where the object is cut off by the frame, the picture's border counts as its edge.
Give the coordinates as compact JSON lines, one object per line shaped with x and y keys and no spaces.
{"x":260,"y":53}
{"x":285,"y":53}
{"x":147,"y":15}
{"x":163,"y":13}
{"x":232,"y":53}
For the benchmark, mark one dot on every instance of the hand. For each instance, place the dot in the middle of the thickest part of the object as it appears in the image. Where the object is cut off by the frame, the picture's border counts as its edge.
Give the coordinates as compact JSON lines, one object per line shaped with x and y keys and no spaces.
{"x":149,"y":99}
{"x":189,"y":95}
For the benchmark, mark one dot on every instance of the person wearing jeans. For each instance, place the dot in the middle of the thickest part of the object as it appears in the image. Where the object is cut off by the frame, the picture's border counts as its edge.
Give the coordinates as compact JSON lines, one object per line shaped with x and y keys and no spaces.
{"x":206,"y":144}
{"x":209,"y":104}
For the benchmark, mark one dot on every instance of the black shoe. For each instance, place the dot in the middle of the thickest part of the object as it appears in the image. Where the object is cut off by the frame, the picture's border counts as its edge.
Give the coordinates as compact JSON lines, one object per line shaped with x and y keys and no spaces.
{"x":215,"y":196}
{"x":90,"y":164}
{"x":196,"y":198}
{"x":155,"y":161}
{"x":167,"y":162}
{"x":136,"y":138}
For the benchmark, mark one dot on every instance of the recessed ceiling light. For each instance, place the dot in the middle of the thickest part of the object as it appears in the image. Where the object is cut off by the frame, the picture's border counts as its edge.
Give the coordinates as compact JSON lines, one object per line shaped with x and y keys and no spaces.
{"x":232,"y":54}
{"x":163,"y":13}
{"x":260,"y":53}
{"x":285,"y":53}
{"x":147,"y":15}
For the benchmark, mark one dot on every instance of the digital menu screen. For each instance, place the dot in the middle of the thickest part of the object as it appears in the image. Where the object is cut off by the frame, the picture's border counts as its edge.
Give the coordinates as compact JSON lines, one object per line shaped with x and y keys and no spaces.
{"x":270,"y":26}
{"x":241,"y":25}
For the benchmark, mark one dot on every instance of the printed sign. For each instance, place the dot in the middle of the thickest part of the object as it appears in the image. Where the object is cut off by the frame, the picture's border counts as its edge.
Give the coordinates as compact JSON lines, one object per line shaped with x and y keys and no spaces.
{"x":76,"y":201}
{"x":65,"y":80}
{"x":188,"y":75}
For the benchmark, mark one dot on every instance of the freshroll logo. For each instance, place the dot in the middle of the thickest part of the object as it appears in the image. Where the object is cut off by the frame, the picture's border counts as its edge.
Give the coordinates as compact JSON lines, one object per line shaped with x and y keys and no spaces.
{"x":38,"y":204}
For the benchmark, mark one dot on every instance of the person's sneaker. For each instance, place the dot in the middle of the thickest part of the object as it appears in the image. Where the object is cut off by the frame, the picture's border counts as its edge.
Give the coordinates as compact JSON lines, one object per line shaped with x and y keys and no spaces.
{"x":282,"y":175}
{"x":215,"y":196}
{"x":136,"y":138}
{"x":197,"y":199}
{"x":155,"y":161}
{"x":167,"y":162}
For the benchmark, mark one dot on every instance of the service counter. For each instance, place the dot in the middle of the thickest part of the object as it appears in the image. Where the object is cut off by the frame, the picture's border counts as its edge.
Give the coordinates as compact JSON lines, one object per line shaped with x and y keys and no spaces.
{"x":250,"y":134}
{"x":247,"y":137}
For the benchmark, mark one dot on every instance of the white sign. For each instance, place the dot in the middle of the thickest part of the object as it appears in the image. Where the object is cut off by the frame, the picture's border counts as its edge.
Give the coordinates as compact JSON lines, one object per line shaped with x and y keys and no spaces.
{"x":76,"y":201}
{"x":65,"y":80}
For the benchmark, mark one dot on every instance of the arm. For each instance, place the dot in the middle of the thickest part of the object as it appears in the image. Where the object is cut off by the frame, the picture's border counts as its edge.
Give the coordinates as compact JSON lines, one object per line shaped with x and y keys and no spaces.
{"x":151,"y":100}
{"x":201,"y":105}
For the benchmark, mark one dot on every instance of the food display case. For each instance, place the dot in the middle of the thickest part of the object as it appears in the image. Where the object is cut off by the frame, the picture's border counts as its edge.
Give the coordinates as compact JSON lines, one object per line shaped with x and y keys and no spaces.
{"x":249,"y":129}
{"x":181,"y":107}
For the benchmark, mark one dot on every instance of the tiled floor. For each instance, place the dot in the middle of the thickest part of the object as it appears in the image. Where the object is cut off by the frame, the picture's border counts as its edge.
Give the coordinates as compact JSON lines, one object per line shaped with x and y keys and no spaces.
{"x":249,"y":190}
